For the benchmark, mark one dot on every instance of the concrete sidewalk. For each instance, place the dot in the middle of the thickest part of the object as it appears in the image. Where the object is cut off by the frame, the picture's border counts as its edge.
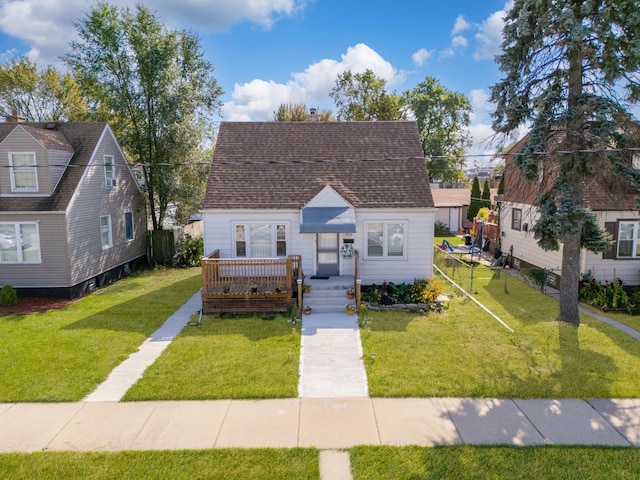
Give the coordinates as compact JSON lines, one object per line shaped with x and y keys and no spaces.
{"x":327,"y":424}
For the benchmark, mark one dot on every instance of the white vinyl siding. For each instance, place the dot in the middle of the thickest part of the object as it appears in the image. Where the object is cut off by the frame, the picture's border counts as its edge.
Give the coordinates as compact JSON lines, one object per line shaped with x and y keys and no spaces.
{"x":24,"y":174}
{"x":19,"y":243}
{"x":106,"y":237}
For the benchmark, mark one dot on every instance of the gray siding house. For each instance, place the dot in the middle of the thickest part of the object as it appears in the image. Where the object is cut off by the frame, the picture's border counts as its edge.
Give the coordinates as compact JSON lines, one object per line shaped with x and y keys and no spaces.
{"x":322,"y":190}
{"x":72,"y":216}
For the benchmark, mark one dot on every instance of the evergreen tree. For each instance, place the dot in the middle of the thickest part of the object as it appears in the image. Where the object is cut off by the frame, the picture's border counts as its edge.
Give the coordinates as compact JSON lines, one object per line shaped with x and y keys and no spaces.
{"x":475,"y":202}
{"x":570,"y":71}
{"x":486,"y":195}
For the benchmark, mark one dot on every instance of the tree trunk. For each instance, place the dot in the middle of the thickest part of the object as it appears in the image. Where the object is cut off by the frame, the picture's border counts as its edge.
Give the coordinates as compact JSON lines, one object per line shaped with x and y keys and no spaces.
{"x":570,"y":278}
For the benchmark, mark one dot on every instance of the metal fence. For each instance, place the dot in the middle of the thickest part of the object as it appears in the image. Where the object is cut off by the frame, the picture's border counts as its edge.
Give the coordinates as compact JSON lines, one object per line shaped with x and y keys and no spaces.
{"x":455,"y":268}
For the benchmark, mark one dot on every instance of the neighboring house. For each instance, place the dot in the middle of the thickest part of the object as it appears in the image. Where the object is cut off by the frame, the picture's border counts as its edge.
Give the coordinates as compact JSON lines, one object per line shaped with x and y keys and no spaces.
{"x":320,"y":190}
{"x":452,"y":205}
{"x":71,"y":212}
{"x":611,"y":199}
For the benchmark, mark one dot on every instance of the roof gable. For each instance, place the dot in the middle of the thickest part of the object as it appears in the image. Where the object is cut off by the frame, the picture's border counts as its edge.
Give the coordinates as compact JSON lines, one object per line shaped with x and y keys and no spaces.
{"x":327,"y":197}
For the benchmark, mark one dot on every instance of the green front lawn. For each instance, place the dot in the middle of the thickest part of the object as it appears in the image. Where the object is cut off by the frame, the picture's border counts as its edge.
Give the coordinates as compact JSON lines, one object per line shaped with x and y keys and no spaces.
{"x":234,"y":357}
{"x":464,"y":351}
{"x":467,"y":462}
{"x":63,"y":355}
{"x":258,"y":464}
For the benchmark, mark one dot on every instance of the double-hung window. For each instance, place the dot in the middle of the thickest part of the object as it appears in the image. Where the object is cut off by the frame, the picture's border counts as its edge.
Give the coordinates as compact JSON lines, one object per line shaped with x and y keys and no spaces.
{"x":386,"y":239}
{"x":261,"y":240}
{"x":106,"y":237}
{"x":628,"y":239}
{"x":516,"y":219}
{"x":109,"y":172}
{"x":19,"y":243}
{"x":128,"y":225}
{"x":23,"y":171}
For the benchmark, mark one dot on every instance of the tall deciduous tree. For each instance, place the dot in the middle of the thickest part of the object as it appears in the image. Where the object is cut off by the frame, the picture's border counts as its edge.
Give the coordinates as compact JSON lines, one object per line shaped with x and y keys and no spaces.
{"x":363,"y":97}
{"x":569,"y":68}
{"x":443,"y":117}
{"x":298,"y":112}
{"x":160,"y":92}
{"x":475,"y":202}
{"x":44,"y":95}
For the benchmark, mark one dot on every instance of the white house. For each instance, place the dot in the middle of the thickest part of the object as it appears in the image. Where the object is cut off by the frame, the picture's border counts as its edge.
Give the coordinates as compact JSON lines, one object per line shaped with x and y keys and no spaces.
{"x":322,"y":190}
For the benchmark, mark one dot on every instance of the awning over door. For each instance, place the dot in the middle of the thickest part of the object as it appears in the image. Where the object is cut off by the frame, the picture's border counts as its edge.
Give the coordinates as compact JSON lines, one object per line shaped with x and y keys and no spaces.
{"x":328,"y":220}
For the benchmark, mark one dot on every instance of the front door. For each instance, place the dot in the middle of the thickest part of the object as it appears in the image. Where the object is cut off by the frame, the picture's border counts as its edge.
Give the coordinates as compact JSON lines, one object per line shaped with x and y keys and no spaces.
{"x":328,"y":254}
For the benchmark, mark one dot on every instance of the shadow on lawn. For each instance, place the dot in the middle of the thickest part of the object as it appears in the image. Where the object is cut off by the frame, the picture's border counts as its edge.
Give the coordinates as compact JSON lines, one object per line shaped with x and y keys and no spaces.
{"x":143,"y":314}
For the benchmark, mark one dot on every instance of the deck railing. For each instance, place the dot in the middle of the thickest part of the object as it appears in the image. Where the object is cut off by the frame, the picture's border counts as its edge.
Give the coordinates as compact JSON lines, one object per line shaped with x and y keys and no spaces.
{"x":357,"y":284}
{"x":249,"y":284}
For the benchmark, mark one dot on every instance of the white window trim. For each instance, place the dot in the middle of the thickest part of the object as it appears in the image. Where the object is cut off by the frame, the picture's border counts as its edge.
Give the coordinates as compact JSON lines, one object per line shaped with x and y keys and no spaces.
{"x":385,"y":257}
{"x":274,"y":235}
{"x":14,"y":188}
{"x":109,"y":179}
{"x":110,"y":232}
{"x":635,"y":241}
{"x":133,"y":227}
{"x":17,"y":227}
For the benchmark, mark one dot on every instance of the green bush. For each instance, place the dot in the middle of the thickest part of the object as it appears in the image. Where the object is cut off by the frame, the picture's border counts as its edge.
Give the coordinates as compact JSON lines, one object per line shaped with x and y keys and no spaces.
{"x":440,"y":229}
{"x":8,"y":296}
{"x":426,"y":290}
{"x":190,"y":251}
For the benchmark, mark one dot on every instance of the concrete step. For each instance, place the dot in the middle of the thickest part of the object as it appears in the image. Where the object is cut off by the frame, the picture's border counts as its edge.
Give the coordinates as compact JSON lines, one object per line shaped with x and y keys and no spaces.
{"x":327,"y":308}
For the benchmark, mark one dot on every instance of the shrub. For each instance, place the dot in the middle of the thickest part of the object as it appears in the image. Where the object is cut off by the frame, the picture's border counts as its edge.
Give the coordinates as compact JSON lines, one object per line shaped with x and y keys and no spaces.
{"x":426,"y":291}
{"x":8,"y":296}
{"x":440,"y":229}
{"x":190,"y":251}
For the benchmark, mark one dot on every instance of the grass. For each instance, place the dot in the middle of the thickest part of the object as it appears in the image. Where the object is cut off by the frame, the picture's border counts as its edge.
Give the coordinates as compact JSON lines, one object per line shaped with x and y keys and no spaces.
{"x":227,"y":464}
{"x":632,"y":321}
{"x":466,"y":462}
{"x":236,"y":357}
{"x":63,"y":355}
{"x":465,"y":352}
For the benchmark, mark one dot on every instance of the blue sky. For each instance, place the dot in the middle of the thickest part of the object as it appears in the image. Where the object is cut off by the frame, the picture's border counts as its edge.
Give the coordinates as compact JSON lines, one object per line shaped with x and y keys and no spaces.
{"x":266,"y":52}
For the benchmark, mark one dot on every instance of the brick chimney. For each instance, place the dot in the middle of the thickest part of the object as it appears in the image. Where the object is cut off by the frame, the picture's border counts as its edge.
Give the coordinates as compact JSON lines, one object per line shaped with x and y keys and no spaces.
{"x":14,"y":117}
{"x":313,"y":115}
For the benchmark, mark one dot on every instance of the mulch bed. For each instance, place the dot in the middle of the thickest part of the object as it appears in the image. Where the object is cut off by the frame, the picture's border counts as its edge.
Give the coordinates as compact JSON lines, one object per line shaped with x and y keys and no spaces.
{"x":34,"y":304}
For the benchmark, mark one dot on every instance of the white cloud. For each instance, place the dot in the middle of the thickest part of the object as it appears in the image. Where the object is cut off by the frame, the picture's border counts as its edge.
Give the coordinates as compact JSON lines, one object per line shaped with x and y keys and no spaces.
{"x":489,"y":37}
{"x":421,"y":56}
{"x":480,"y":103}
{"x":47,"y":26}
{"x":460,"y":26}
{"x":458,"y":42}
{"x":257,"y":99}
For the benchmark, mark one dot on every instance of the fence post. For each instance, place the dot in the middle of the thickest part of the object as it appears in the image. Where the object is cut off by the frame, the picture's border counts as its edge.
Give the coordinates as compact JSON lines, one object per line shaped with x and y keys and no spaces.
{"x":471,"y":280}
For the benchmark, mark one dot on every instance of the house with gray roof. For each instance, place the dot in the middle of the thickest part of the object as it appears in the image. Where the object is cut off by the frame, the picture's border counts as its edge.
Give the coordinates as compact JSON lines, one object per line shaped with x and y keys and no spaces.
{"x":322,"y":190}
{"x":72,"y":216}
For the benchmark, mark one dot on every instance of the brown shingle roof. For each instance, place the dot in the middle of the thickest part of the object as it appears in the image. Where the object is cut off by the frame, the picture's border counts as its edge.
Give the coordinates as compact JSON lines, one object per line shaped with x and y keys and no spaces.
{"x":81,"y":137}
{"x":283,"y":165}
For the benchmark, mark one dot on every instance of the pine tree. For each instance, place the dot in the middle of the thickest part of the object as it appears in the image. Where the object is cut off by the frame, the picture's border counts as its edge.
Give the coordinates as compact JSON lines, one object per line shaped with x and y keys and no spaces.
{"x":475,"y":203}
{"x":486,"y":195}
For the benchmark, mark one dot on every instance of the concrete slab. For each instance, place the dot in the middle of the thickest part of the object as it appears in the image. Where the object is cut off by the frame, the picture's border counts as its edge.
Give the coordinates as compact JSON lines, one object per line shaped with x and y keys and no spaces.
{"x":115,"y":387}
{"x":5,"y":406}
{"x":335,"y":465}
{"x":182,"y":425}
{"x":264,"y":423}
{"x":337,"y":423}
{"x":491,"y":421}
{"x":414,"y":421}
{"x":570,"y":422}
{"x":30,"y":427}
{"x":104,"y":426}
{"x":622,"y":414}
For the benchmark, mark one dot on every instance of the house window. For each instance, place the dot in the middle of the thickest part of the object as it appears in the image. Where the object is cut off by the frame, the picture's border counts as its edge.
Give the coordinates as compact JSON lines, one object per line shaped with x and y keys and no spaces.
{"x":19,"y":243}
{"x":109,"y":172}
{"x":105,"y":232}
{"x":386,"y":239}
{"x":261,"y":240}
{"x":516,"y":219}
{"x":635,"y":161}
{"x":628,"y":239}
{"x":24,"y":175}
{"x":128,"y":225}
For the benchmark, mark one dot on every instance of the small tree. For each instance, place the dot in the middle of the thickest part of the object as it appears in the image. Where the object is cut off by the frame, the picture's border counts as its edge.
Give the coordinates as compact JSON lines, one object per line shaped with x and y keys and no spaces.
{"x":486,"y":195}
{"x":475,"y":203}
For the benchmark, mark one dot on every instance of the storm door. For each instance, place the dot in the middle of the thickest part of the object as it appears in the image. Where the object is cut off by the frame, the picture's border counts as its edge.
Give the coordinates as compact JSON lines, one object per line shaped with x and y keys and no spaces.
{"x":328,"y":254}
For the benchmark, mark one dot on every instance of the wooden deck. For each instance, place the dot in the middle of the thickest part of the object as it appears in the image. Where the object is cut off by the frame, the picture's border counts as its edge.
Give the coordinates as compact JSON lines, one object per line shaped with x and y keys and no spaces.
{"x":251,"y":285}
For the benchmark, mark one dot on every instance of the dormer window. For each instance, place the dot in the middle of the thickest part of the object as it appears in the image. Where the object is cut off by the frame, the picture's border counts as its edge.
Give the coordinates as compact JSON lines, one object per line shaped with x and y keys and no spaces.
{"x":24,"y":175}
{"x":109,"y":172}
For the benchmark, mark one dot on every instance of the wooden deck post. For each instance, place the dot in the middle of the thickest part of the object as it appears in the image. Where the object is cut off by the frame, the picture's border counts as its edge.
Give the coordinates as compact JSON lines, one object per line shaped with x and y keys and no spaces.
{"x":299,"y":283}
